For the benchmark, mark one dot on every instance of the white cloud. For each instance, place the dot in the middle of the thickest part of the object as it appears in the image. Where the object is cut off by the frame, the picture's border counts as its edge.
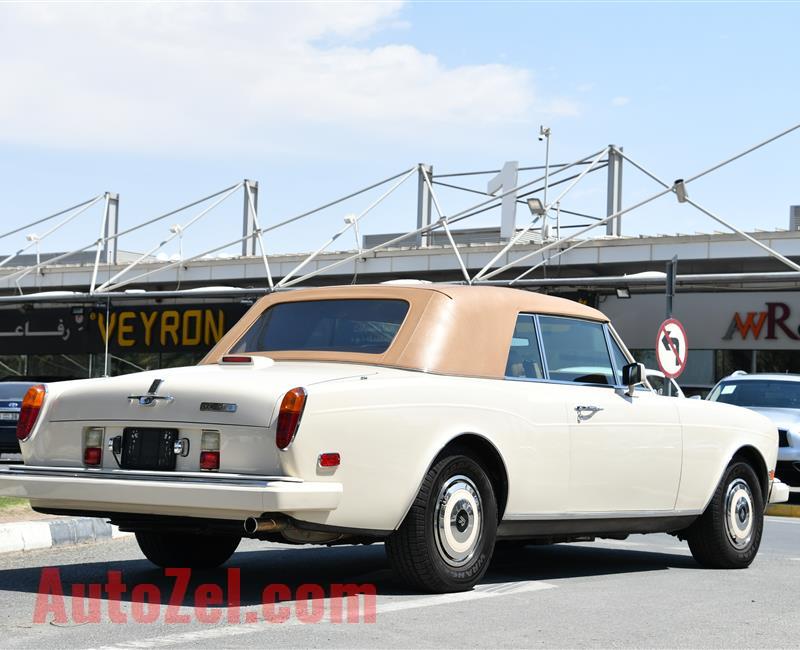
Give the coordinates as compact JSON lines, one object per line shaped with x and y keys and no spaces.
{"x":620,"y":101}
{"x":240,"y":76}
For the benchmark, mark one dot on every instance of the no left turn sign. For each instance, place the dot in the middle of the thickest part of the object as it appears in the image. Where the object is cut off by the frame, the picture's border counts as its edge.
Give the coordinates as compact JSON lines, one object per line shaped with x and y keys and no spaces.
{"x":672,"y":347}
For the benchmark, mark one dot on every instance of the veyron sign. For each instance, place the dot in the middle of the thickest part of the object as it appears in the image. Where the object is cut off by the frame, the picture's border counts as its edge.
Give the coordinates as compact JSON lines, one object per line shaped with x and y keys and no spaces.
{"x":128,"y":329}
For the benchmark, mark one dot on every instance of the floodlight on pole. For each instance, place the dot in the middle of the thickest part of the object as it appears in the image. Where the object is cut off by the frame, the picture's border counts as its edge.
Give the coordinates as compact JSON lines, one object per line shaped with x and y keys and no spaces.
{"x":536,"y":207}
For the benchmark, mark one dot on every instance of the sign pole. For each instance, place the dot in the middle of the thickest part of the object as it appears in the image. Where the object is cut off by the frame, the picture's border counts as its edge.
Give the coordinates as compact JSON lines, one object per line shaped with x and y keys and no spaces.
{"x":672,"y":272}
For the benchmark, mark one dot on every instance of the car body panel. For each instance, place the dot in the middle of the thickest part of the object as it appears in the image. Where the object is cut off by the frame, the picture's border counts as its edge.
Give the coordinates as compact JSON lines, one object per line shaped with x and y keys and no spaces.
{"x":441,"y":380}
{"x":638,"y":437}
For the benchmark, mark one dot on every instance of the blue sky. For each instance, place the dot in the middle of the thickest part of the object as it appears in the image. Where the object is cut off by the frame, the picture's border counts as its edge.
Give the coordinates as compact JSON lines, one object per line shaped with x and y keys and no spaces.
{"x":165,"y":103}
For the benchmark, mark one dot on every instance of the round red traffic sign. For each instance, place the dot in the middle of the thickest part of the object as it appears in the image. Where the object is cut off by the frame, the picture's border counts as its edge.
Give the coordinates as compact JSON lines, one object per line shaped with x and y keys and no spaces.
{"x":672,"y":347}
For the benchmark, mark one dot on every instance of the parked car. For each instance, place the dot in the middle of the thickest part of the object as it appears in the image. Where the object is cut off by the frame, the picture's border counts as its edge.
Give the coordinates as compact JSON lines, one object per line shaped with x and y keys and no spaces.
{"x":435,"y":418}
{"x":662,"y":384}
{"x":777,"y":396}
{"x":11,"y":395}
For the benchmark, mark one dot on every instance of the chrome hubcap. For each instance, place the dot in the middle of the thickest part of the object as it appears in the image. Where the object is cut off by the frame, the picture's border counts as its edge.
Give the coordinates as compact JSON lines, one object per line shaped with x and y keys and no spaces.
{"x":457,"y":523}
{"x":739,"y":513}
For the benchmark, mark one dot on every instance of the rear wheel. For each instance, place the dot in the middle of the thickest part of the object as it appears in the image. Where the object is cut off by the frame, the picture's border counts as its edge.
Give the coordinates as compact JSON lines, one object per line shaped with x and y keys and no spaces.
{"x":728,"y":533}
{"x":185,"y":550}
{"x":446,"y":540}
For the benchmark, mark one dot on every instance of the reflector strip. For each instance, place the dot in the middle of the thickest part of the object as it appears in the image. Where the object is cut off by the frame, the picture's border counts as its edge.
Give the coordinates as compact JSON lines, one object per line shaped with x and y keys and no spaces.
{"x":330,"y":459}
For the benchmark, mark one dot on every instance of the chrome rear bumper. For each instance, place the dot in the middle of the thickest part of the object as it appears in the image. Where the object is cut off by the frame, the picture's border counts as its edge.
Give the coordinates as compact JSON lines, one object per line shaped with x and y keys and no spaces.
{"x":194,"y":494}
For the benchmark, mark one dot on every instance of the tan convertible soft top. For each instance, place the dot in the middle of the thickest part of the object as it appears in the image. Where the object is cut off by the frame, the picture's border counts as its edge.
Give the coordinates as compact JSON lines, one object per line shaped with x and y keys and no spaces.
{"x":449,"y":329}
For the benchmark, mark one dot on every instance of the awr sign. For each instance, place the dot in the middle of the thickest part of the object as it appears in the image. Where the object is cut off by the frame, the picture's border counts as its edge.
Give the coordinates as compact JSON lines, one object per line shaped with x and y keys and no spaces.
{"x":772,"y":323}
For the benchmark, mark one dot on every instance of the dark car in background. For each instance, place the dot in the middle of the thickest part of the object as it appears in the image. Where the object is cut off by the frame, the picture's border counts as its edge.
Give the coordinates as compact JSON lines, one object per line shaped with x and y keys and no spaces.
{"x":11,"y":394}
{"x":778,"y":397}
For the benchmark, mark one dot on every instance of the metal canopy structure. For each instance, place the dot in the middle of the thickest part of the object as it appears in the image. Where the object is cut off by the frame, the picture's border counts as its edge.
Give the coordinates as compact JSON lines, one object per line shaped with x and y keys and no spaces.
{"x":504,"y":191}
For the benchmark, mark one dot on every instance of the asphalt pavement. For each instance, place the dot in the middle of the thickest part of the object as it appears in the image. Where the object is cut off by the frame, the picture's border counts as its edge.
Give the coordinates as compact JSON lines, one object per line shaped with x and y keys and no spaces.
{"x":646,"y":591}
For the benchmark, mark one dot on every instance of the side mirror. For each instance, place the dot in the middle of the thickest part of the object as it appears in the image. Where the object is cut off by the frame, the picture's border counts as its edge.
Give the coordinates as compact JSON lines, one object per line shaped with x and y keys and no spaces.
{"x":632,"y":375}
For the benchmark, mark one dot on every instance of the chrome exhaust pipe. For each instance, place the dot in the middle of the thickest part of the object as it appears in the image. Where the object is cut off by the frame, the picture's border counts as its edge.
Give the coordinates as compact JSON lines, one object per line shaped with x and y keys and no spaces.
{"x":268,"y":525}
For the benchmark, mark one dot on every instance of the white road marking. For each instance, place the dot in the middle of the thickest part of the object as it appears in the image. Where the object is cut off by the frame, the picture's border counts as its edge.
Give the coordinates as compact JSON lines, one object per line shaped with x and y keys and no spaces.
{"x":222,"y":631}
{"x":783,"y":520}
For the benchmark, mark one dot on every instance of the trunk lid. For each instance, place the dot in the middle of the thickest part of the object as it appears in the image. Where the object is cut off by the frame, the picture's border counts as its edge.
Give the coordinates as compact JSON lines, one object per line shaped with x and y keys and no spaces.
{"x":241,"y":394}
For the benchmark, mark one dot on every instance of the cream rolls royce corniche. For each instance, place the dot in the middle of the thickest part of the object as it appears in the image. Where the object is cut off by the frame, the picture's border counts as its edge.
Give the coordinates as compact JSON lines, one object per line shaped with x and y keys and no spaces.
{"x":438,"y":419}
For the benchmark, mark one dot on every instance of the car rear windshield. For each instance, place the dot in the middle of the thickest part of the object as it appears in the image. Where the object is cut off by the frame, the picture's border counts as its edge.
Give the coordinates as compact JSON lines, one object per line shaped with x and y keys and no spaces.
{"x":13,"y":390}
{"x":761,"y":393}
{"x":364,"y":326}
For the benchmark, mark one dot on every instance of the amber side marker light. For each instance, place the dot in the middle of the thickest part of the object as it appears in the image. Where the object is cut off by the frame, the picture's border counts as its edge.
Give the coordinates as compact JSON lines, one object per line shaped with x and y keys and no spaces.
{"x":289,"y":416}
{"x":772,"y":475}
{"x":31,"y":406}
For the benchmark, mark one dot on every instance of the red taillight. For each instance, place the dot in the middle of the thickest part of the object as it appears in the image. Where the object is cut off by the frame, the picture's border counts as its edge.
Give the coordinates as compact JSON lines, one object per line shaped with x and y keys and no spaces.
{"x":92,"y":456}
{"x":289,"y":417}
{"x":209,"y":460}
{"x":209,"y":450}
{"x":330,"y":459}
{"x":31,"y":405}
{"x":236,"y":358}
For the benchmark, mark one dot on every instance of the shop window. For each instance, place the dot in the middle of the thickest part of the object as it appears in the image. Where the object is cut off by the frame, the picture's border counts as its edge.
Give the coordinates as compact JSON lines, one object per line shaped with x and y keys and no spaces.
{"x":176,"y":359}
{"x":58,"y":366}
{"x":699,"y":369}
{"x":12,"y":365}
{"x":781,"y":361}
{"x":700,"y":366}
{"x":647,"y":357}
{"x":729,"y":361}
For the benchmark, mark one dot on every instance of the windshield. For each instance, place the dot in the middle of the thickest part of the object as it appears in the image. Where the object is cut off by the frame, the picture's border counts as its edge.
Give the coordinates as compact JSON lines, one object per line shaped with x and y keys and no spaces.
{"x":759,"y":393}
{"x":364,"y":326}
{"x":13,"y":390}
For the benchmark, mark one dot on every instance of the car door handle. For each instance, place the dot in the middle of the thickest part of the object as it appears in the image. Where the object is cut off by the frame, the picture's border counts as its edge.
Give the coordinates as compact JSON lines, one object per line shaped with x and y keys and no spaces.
{"x":586,"y":412}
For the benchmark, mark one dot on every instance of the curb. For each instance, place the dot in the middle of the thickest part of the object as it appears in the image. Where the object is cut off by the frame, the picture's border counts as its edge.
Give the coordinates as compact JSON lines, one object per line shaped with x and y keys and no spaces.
{"x":784,"y":510}
{"x":32,"y":535}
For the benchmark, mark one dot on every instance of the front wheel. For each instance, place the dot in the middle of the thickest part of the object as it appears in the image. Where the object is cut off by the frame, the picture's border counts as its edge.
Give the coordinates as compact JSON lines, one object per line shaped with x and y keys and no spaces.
{"x":727,"y":535}
{"x":446,"y":541}
{"x":184,"y":550}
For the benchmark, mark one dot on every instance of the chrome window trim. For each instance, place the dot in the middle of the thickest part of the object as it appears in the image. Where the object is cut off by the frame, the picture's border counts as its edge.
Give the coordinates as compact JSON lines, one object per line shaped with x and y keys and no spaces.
{"x":540,"y":343}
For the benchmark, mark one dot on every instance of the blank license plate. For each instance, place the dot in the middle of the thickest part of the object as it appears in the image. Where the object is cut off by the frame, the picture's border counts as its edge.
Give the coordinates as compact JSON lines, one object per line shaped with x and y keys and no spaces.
{"x":148,"y":448}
